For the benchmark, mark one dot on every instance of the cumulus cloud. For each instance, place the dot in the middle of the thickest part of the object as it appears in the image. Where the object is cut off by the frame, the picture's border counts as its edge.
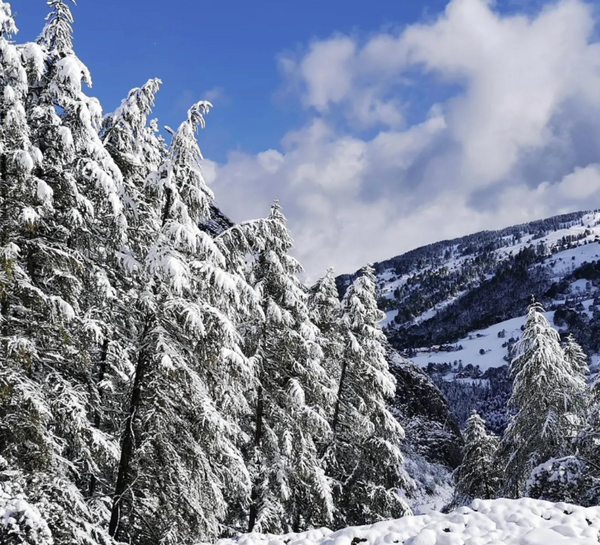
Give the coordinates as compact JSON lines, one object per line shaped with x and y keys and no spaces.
{"x":511,"y":134}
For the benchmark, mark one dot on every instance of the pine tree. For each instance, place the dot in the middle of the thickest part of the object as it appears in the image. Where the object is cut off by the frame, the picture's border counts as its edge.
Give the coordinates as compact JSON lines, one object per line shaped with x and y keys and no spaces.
{"x":588,"y":443}
{"x":59,"y":243}
{"x":572,"y":478}
{"x":546,"y":398}
{"x":478,"y":475}
{"x":187,"y":392}
{"x":366,"y":458}
{"x":75,"y":249}
{"x":575,"y":357}
{"x":578,"y":362}
{"x":290,"y":490}
{"x":589,"y":439}
{"x":135,"y":147}
{"x":24,"y":437}
{"x":325,"y":312}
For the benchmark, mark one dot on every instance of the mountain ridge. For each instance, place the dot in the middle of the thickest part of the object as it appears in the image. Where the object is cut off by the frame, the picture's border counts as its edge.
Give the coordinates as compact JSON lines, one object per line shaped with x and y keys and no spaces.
{"x":431,"y":281}
{"x":456,"y":308}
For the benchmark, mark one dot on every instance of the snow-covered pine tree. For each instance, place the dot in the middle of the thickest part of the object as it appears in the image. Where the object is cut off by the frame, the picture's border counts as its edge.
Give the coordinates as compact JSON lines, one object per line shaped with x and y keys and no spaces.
{"x":478,"y":475}
{"x":576,"y":357}
{"x":133,"y":143}
{"x":88,"y":224}
{"x":290,"y":489}
{"x":589,"y":439}
{"x":578,"y":362}
{"x":24,"y":437}
{"x":60,"y":248}
{"x":366,"y":460}
{"x":325,"y":312}
{"x":545,"y":398}
{"x":138,"y":150}
{"x":190,"y":373}
{"x":588,"y":445}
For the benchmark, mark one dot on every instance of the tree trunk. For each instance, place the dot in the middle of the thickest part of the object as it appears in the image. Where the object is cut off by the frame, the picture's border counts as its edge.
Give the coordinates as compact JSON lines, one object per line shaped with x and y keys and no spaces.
{"x":336,"y":412}
{"x":97,"y":417}
{"x":257,"y":438}
{"x":167,"y":208}
{"x":4,"y":311}
{"x":127,"y":444}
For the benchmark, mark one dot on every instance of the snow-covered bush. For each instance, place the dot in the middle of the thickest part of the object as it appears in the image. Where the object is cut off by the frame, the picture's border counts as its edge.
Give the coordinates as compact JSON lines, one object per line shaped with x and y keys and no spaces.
{"x":559,"y":479}
{"x":21,"y":523}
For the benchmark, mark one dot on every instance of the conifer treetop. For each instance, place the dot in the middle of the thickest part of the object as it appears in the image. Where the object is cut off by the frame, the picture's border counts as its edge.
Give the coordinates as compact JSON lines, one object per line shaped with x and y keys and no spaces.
{"x":57,"y":35}
{"x":8,"y":28}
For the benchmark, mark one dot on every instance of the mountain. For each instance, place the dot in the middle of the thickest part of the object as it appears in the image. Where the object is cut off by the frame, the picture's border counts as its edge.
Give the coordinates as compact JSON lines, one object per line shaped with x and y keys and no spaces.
{"x":455,"y":308}
{"x":217,"y":222}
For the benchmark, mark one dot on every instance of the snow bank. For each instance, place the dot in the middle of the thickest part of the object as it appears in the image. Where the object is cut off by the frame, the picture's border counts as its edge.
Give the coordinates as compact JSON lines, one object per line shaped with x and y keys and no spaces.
{"x":486,"y":522}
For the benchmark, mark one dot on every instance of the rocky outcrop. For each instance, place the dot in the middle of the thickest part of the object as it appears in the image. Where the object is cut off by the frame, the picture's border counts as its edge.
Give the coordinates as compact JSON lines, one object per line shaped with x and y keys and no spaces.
{"x":431,"y":428}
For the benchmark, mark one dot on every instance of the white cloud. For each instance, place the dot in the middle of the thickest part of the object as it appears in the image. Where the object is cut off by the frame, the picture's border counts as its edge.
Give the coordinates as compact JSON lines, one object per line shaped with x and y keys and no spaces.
{"x":583,"y":183}
{"x":517,"y":135}
{"x":215,"y":95}
{"x":328,"y":72}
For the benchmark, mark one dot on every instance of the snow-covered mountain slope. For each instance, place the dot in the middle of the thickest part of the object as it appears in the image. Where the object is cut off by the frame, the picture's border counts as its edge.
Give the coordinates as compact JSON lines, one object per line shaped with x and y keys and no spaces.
{"x":456,"y":308}
{"x":445,"y":293}
{"x":482,"y":349}
{"x":490,"y":522}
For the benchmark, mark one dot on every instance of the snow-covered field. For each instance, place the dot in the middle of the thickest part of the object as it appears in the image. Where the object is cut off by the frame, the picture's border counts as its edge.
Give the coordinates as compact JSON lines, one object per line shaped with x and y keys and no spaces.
{"x":486,"y":522}
{"x":485,"y":339}
{"x":485,"y":347}
{"x":563,"y":263}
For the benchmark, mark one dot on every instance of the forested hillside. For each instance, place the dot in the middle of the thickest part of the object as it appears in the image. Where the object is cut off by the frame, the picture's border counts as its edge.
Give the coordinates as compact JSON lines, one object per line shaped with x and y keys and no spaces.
{"x":437,"y":294}
{"x":456,"y":308}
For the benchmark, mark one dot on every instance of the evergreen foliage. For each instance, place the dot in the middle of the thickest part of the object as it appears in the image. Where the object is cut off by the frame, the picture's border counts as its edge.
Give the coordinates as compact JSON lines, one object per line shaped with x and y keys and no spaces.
{"x":162,"y":381}
{"x":546,"y":395}
{"x":478,"y":475}
{"x":292,"y":395}
{"x":560,"y":479}
{"x":365,"y":461}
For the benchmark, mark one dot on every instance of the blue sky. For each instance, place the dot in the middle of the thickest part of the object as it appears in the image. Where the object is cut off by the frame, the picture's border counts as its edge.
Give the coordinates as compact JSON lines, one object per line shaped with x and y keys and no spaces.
{"x":228,"y":46}
{"x":380,"y":125}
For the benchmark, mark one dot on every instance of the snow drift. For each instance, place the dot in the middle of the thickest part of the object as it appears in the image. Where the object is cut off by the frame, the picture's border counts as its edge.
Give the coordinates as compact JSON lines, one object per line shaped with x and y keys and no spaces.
{"x":486,"y":522}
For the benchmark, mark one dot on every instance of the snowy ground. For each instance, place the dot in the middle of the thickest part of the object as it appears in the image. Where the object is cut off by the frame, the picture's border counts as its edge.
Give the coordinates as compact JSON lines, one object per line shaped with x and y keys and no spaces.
{"x":489,"y":522}
{"x":485,"y":339}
